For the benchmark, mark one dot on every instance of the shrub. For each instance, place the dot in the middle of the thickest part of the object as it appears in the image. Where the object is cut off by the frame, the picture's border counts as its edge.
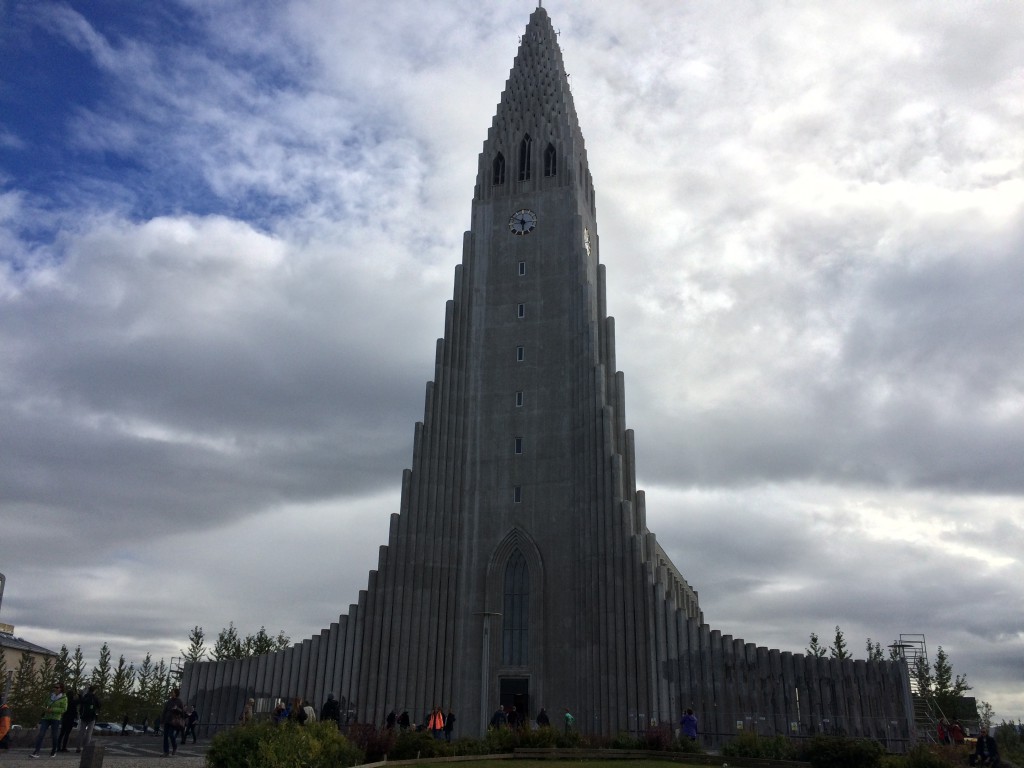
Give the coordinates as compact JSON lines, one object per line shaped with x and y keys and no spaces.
{"x":1010,"y":741}
{"x":542,"y":737}
{"x":660,"y":739}
{"x":287,"y":745}
{"x":767,"y":747}
{"x":841,"y":752}
{"x":689,"y":746}
{"x":415,"y":744}
{"x":935,"y":756}
{"x":237,"y":747}
{"x":570,"y":740}
{"x":625,"y":741}
{"x":376,"y":744}
{"x":500,"y":740}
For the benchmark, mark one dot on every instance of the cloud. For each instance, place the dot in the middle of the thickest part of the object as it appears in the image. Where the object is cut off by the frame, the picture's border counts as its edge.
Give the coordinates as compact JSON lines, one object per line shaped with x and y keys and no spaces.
{"x":227,"y":235}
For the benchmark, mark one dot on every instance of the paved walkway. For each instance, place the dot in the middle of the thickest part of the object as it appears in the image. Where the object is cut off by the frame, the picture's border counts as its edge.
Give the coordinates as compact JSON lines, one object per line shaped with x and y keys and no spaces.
{"x":127,"y":752}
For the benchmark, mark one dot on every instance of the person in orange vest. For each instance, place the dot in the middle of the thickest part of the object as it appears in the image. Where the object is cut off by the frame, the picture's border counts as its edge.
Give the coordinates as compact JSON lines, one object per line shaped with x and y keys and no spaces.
{"x":435,"y":723}
{"x":5,"y":726}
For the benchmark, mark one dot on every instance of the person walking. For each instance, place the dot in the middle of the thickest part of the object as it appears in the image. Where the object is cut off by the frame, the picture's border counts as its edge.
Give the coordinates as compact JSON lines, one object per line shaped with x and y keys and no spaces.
{"x":53,"y":709}
{"x":172,"y":718}
{"x":88,"y":709}
{"x":331,"y":710}
{"x":68,"y":721}
{"x":449,"y":725}
{"x":570,"y":721}
{"x":191,"y":723}
{"x":688,"y":723}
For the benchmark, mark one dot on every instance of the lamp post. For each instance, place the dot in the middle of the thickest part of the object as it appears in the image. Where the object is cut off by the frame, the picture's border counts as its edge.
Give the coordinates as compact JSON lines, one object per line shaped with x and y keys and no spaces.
{"x":485,"y":667}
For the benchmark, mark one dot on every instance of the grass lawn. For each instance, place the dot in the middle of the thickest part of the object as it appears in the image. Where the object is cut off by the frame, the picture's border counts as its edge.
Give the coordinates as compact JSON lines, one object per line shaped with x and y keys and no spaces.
{"x":613,"y":763}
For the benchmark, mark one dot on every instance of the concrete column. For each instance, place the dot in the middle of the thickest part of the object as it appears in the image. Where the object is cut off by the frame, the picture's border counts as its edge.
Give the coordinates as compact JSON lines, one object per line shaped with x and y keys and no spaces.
{"x":401,"y":633}
{"x":364,"y":650}
{"x":261,"y":682}
{"x":321,"y":674}
{"x":336,"y":657}
{"x":391,"y":620}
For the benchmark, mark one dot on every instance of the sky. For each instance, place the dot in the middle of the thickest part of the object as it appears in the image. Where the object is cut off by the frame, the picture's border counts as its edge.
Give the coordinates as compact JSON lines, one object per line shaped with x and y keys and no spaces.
{"x":228,"y":231}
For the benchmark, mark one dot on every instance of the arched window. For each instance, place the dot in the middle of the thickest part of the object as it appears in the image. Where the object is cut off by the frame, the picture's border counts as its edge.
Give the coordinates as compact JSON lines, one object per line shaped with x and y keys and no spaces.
{"x":550,"y":162}
{"x":498,"y":170}
{"x":515,"y":616}
{"x":524,"y":157}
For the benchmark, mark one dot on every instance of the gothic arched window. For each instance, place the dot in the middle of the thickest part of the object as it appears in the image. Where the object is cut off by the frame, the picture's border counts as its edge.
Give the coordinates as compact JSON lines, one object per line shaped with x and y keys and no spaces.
{"x":524,"y":157}
{"x":515,"y":616}
{"x":498,"y":170}
{"x":550,"y":162}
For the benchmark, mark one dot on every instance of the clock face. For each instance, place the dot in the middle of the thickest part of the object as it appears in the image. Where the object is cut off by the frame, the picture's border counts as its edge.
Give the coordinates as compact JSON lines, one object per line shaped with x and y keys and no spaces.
{"x":523,"y":222}
{"x":586,"y":240}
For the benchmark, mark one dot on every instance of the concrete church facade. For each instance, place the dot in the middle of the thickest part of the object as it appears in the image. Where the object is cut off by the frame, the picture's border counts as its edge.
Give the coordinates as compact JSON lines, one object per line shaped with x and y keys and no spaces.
{"x":520,"y":569}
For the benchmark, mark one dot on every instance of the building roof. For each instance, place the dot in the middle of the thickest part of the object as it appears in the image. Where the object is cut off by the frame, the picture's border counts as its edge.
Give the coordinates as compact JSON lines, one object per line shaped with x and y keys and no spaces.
{"x":9,"y":642}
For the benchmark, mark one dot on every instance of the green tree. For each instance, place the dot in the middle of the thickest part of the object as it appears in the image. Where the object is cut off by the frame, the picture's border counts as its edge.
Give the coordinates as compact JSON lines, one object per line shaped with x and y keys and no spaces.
{"x":985,"y":713}
{"x":838,"y":648}
{"x":76,"y":670}
{"x":874,"y":650}
{"x":120,"y":699}
{"x":63,"y":666}
{"x":228,"y":646}
{"x":815,"y":648}
{"x":26,"y":697}
{"x":46,"y":675}
{"x":162,"y":685}
{"x":947,"y":689}
{"x":197,"y":645}
{"x":921,"y":673}
{"x":261,"y":642}
{"x":895,"y":652}
{"x":101,"y":673}
{"x":152,"y":686}
{"x":145,"y":681}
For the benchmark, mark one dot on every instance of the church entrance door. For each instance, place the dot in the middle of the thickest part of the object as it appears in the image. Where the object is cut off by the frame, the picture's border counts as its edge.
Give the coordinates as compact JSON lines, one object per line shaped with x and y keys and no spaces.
{"x":515,"y":692}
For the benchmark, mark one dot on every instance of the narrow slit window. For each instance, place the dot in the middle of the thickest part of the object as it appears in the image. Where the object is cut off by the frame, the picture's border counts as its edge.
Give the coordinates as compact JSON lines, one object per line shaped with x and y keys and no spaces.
{"x":550,"y":161}
{"x":498,"y":170}
{"x":522,"y":268}
{"x":515,"y":618}
{"x":524,"y":157}
{"x":519,"y":445}
{"x":521,"y":311}
{"x":517,"y":494}
{"x":519,"y":399}
{"x":520,"y":354}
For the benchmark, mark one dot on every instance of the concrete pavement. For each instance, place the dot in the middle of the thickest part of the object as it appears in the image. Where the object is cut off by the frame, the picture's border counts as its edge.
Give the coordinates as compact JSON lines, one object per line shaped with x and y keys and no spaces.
{"x":127,"y":752}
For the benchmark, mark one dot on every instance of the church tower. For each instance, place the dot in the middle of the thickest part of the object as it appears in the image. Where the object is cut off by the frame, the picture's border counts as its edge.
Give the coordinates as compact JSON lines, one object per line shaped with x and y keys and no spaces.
{"x":552,"y":551}
{"x":519,"y":570}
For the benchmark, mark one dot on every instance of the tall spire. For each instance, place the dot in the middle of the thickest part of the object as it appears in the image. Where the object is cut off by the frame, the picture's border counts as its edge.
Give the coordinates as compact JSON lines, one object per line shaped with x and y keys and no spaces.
{"x":520,"y":570}
{"x":537,"y":102}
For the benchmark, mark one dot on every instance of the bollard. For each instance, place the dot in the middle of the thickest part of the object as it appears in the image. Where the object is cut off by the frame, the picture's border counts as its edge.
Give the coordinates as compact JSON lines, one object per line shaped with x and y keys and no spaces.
{"x":92,"y":756}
